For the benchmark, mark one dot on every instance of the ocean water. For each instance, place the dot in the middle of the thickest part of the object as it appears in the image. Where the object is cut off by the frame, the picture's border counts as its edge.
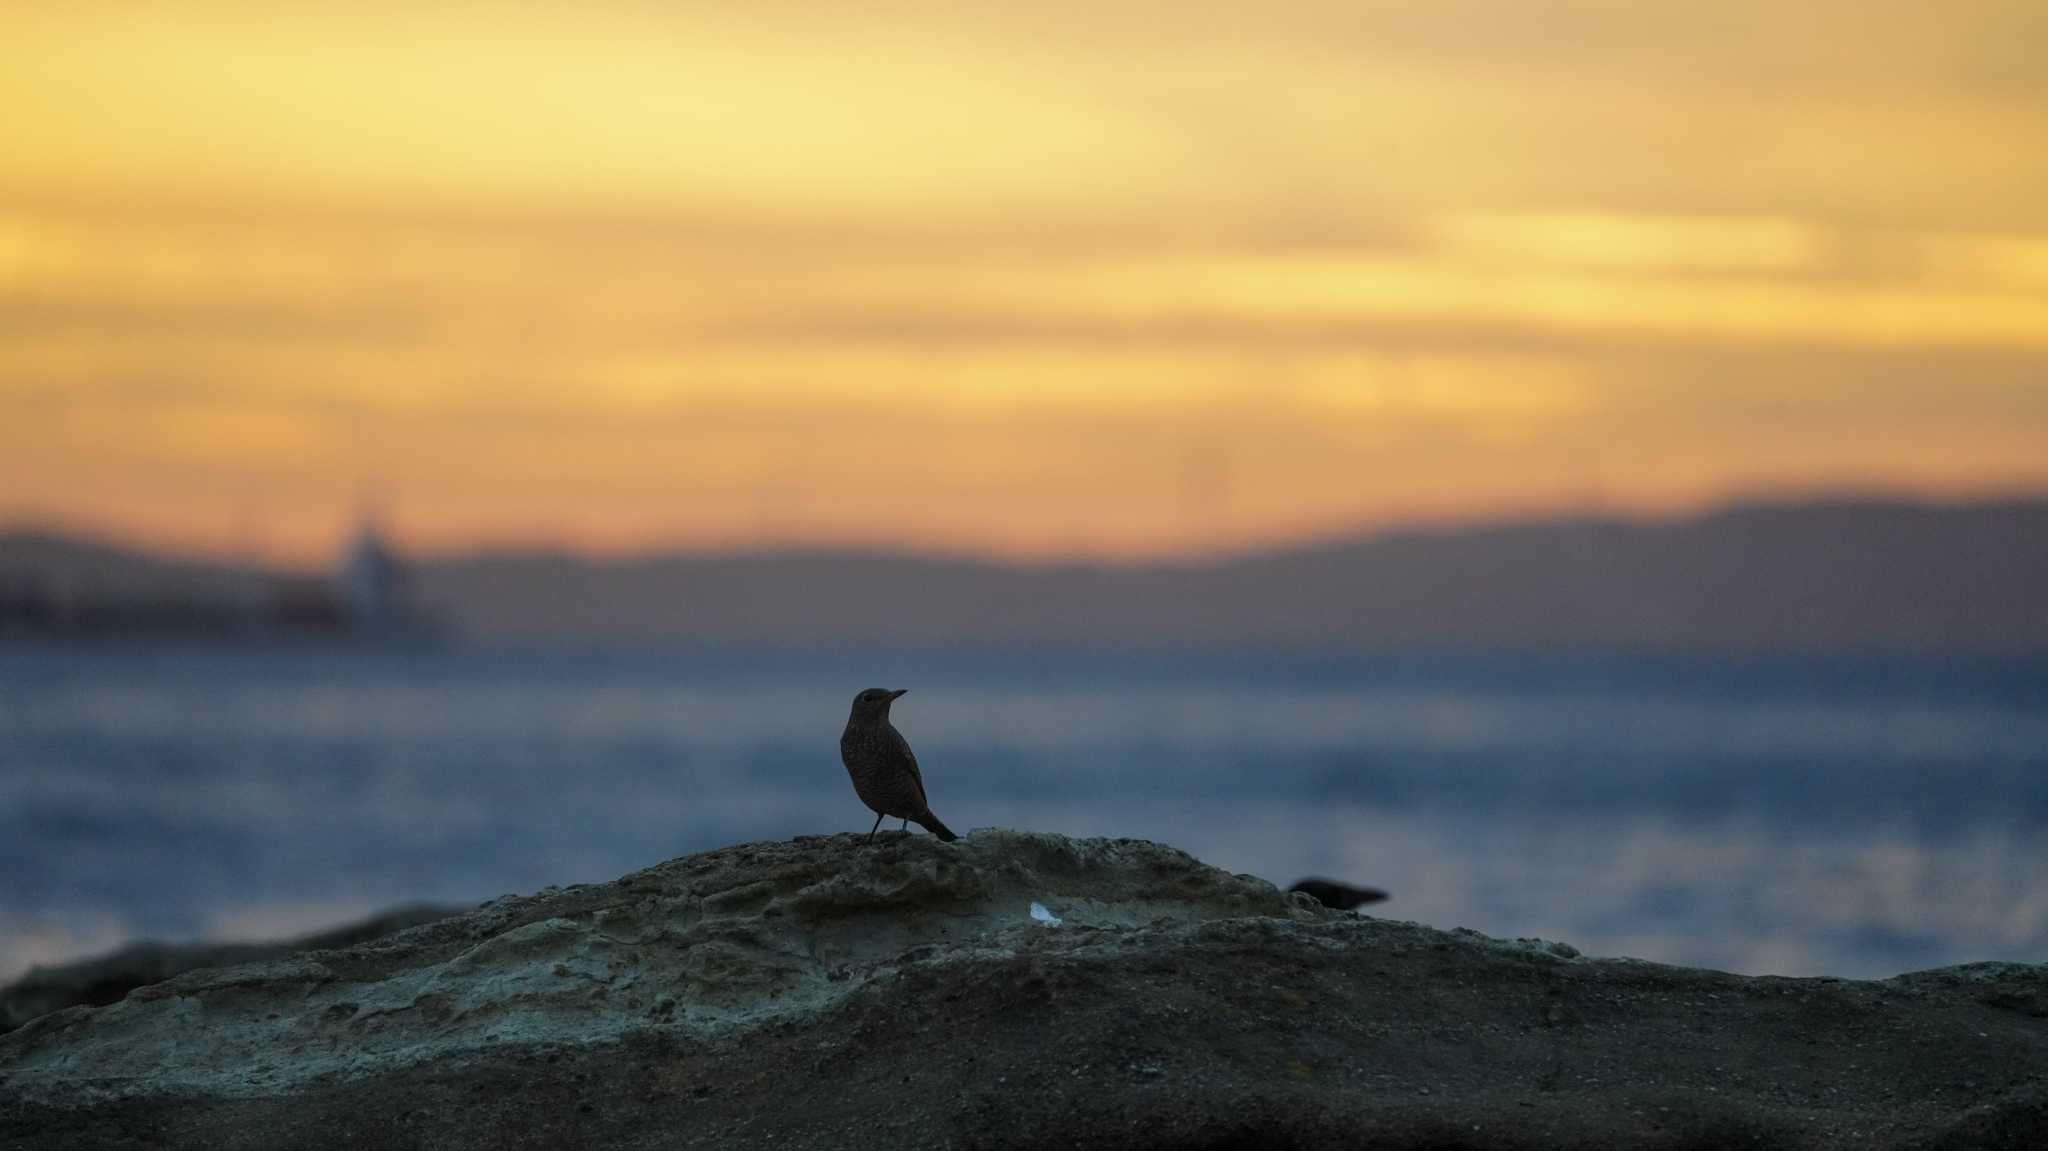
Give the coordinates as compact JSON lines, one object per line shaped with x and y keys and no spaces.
{"x":1789,"y":816}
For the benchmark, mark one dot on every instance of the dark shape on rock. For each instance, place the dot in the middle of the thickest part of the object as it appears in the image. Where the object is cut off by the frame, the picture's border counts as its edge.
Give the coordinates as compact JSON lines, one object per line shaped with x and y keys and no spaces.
{"x":109,"y":978}
{"x":1338,"y":896}
{"x":884,"y":771}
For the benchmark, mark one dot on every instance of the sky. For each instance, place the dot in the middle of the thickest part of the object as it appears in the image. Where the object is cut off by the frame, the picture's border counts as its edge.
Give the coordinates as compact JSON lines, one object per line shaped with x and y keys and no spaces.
{"x":1109,"y":280}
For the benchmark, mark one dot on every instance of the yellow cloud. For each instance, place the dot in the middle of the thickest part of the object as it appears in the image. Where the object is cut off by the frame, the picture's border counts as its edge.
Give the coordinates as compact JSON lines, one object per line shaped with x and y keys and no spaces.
{"x":1110,"y":277}
{"x":221,"y":437}
{"x":1612,"y":242}
{"x":2007,"y":262}
{"x":1480,"y":388}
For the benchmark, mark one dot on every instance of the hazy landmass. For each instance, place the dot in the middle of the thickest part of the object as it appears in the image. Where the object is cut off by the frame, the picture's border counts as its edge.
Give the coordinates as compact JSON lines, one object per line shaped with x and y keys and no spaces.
{"x":1827,"y":576}
{"x":47,"y":560}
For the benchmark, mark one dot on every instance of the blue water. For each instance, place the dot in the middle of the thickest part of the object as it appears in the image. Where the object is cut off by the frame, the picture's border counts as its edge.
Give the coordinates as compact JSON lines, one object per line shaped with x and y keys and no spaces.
{"x":1793,"y":816}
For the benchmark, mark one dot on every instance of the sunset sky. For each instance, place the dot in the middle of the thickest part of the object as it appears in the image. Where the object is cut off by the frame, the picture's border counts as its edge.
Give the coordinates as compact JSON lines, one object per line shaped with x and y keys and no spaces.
{"x":1057,"y":279}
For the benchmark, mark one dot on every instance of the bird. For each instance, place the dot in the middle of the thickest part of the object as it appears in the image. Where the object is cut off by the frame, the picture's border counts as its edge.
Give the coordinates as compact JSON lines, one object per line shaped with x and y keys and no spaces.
{"x":884,"y":771}
{"x":1338,"y":896}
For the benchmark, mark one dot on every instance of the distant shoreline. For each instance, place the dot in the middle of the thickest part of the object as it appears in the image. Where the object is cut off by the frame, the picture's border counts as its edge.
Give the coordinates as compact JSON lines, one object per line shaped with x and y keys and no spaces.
{"x":1845,"y":576}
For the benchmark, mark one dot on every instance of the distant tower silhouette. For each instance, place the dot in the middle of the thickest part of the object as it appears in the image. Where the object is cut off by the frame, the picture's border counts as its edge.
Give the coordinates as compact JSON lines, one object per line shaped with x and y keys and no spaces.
{"x":371,"y":580}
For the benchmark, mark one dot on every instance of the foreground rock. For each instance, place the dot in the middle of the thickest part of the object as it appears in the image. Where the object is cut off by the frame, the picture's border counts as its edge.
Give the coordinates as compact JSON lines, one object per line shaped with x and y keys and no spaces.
{"x":109,"y":978}
{"x":1013,"y":991}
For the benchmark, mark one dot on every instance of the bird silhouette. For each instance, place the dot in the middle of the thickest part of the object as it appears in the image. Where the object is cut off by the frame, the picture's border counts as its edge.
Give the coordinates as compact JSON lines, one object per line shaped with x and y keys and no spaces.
{"x":884,"y":771}
{"x":1338,"y":896}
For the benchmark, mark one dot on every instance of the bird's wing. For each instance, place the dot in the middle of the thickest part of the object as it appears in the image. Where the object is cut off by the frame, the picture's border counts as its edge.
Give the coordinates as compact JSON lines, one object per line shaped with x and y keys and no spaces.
{"x":910,"y":758}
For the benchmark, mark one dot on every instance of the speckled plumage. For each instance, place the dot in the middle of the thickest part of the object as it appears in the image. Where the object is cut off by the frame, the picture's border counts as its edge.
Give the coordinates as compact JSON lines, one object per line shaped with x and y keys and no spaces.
{"x":884,"y":771}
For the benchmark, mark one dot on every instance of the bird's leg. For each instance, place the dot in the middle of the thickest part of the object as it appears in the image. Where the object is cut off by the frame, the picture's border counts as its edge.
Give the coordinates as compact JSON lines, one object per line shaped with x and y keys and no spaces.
{"x":877,"y":827}
{"x":906,"y":825}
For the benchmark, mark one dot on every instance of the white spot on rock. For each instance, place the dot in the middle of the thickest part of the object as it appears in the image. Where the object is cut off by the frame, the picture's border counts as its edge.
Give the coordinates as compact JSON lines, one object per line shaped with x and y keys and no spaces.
{"x":1039,"y":913}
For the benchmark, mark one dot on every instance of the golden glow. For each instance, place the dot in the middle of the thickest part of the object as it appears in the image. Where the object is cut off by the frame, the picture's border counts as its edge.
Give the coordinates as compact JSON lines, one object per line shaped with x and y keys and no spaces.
{"x":1108,"y":279}
{"x":1623,"y":243}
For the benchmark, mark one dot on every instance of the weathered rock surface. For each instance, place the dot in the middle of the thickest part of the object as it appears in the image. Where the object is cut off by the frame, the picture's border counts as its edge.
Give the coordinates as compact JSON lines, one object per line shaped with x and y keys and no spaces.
{"x":109,"y":978}
{"x":1013,"y":990}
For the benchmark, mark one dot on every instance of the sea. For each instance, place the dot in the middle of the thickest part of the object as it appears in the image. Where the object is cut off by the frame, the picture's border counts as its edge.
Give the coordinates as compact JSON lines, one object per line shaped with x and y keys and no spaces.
{"x":1802,"y":816}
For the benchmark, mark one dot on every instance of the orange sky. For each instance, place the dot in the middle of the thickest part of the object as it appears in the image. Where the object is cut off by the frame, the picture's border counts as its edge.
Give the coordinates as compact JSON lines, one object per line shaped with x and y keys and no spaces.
{"x":1107,"y":279}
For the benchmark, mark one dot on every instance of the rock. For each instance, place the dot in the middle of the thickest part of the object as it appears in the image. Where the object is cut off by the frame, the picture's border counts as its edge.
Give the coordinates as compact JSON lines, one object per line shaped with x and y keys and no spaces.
{"x":109,"y":978}
{"x":824,"y":993}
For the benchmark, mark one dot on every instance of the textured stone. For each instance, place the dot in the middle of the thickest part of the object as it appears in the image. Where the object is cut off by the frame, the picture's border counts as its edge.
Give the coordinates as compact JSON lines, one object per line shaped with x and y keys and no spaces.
{"x":821,"y":992}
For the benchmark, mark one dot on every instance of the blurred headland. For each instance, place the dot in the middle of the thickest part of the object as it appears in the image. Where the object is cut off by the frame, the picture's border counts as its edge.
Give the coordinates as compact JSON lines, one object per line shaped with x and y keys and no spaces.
{"x":55,"y":585}
{"x":1846,"y":575}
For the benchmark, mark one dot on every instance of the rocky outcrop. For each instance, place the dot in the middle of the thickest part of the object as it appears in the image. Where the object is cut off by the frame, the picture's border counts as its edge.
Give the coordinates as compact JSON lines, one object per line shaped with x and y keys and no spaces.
{"x":1012,"y":990}
{"x":109,"y":978}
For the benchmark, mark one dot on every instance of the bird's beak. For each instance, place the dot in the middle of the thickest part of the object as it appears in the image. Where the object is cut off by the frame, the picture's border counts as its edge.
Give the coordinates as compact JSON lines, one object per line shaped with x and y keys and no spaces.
{"x":894,"y":695}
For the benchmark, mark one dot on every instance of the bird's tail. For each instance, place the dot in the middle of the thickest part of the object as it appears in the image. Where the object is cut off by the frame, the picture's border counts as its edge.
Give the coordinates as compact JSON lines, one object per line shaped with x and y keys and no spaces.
{"x":931,"y":823}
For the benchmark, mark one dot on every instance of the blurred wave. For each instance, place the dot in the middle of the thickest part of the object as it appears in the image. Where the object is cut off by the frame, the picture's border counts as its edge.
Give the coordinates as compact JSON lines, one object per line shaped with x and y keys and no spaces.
{"x":1798,"y":816}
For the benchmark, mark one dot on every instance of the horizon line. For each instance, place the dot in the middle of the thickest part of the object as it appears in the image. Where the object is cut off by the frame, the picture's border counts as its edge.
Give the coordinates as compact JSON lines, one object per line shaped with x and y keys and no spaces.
{"x":142,"y":545}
